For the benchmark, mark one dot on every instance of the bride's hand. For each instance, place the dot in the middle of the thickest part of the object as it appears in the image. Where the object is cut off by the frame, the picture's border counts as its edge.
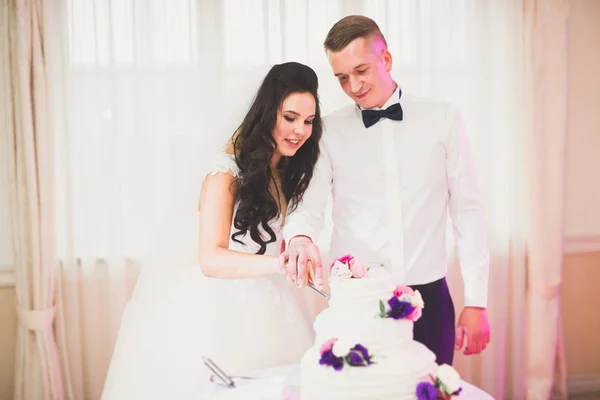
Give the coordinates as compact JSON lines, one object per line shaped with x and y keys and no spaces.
{"x":308,"y":277}
{"x":301,"y":262}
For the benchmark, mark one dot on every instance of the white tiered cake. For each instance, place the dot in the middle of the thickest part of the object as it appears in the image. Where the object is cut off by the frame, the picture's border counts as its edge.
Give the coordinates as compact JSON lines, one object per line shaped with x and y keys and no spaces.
{"x":388,"y":363}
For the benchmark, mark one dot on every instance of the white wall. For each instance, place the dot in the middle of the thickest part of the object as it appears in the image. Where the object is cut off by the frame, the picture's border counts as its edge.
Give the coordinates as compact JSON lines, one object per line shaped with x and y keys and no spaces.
{"x":8,"y":319}
{"x":581,"y":270}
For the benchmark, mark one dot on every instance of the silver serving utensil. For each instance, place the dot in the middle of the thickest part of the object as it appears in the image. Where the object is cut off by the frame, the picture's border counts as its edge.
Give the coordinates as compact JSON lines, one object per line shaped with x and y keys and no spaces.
{"x":226,"y":379}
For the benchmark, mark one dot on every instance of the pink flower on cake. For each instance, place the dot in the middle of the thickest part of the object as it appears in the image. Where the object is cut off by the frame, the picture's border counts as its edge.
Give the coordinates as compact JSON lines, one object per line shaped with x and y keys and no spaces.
{"x":401,"y":290}
{"x":415,"y":315}
{"x":358,"y":269}
{"x":328,"y":345}
{"x":345,"y":259}
{"x":347,"y":266}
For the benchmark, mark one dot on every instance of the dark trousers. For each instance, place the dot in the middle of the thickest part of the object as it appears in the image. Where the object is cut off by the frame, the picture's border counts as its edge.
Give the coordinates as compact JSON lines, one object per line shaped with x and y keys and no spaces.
{"x":435,"y":329}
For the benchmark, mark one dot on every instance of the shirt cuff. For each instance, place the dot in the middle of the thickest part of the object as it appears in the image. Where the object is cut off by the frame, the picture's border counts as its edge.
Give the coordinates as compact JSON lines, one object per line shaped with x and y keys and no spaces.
{"x":476,"y":292}
{"x":292,"y":230}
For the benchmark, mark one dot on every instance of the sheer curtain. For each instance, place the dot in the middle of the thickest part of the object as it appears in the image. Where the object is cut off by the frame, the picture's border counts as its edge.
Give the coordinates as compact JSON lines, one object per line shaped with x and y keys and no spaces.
{"x":154,"y":88}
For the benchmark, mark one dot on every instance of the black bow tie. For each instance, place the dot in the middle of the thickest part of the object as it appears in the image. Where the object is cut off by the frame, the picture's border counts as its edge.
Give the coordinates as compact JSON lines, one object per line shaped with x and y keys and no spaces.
{"x":370,"y":117}
{"x":394,"y":112}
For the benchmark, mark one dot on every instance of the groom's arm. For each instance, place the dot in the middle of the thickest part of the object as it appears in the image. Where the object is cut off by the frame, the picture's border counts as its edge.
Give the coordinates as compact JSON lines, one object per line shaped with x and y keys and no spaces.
{"x":304,"y":224}
{"x":467,"y":213}
{"x":307,"y":219}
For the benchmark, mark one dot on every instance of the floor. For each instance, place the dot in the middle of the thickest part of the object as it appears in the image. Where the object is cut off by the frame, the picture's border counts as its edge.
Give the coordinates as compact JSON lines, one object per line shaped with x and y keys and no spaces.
{"x":589,"y":396}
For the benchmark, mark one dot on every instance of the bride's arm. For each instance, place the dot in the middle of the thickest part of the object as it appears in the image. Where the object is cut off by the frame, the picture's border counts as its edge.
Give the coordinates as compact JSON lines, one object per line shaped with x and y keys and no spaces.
{"x":216,"y":213}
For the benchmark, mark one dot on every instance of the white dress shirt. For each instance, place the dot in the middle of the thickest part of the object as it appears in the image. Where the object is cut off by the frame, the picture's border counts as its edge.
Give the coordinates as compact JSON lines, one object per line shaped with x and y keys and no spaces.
{"x":393,"y":185}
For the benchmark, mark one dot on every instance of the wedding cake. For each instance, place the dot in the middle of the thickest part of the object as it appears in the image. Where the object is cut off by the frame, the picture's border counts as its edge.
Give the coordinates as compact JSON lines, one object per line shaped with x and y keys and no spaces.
{"x":364,"y":347}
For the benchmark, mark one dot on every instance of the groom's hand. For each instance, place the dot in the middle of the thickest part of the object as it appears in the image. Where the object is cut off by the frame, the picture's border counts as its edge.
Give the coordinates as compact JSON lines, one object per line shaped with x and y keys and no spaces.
{"x":293,"y":262}
{"x":473,"y":326}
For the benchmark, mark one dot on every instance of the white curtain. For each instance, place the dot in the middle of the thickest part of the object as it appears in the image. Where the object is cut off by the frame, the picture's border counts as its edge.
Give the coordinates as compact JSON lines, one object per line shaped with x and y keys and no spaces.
{"x":153,"y":88}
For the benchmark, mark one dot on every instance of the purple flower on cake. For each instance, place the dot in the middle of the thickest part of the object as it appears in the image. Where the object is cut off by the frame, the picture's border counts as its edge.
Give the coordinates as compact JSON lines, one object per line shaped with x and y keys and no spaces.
{"x":337,"y":353}
{"x":399,"y":309}
{"x":347,"y":266}
{"x":355,"y":359}
{"x":445,"y":386}
{"x":329,"y":359}
{"x":426,"y":391}
{"x":404,"y":304}
{"x":363,"y":353}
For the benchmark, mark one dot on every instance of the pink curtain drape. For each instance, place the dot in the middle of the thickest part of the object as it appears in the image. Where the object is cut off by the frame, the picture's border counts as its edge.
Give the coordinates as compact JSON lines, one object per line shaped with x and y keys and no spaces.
{"x":26,"y":100}
{"x":546,"y":68}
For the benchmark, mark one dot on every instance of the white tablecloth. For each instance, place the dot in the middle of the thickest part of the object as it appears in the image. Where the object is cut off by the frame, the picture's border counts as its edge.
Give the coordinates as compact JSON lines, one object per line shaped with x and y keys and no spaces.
{"x":292,"y":378}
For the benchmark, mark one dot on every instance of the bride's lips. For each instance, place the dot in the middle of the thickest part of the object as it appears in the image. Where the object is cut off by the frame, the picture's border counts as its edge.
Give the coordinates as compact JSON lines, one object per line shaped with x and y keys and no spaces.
{"x":293,"y":143}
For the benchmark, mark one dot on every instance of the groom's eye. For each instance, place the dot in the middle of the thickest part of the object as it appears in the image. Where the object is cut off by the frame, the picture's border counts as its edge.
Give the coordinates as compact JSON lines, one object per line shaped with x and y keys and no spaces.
{"x":362,"y":71}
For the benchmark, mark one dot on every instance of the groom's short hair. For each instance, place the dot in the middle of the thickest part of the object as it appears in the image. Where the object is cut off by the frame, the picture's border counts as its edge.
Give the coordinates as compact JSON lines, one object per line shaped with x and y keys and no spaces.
{"x":349,"y":28}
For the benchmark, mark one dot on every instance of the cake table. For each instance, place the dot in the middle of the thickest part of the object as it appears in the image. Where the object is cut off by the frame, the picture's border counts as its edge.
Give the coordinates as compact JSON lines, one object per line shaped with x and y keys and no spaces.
{"x":292,"y":378}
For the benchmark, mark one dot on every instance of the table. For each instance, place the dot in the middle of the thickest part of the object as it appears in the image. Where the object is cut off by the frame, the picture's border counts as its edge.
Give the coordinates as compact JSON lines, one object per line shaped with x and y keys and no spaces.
{"x":292,"y":373}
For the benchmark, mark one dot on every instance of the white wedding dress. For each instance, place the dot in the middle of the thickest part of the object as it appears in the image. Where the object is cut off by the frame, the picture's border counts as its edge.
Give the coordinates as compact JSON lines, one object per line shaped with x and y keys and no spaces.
{"x":177,"y":316}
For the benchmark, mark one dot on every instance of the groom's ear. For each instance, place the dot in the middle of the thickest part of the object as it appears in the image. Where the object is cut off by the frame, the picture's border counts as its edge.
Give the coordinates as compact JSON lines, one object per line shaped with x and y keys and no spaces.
{"x":387,"y":59}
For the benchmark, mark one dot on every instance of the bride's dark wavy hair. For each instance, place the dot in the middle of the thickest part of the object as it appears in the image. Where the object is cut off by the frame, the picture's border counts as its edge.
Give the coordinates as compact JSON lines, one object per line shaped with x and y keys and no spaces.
{"x":253,"y":146}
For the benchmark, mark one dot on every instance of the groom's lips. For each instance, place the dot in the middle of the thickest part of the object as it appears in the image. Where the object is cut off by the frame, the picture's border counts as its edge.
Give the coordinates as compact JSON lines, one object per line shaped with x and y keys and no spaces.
{"x":362,"y":96}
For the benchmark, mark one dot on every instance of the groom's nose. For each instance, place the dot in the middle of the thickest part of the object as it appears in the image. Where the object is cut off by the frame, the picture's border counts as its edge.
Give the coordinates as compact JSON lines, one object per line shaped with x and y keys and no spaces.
{"x":355,"y":84}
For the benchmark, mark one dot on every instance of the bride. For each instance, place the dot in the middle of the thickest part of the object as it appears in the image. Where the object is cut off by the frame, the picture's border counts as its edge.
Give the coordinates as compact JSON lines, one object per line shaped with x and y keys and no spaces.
{"x":236,"y":307}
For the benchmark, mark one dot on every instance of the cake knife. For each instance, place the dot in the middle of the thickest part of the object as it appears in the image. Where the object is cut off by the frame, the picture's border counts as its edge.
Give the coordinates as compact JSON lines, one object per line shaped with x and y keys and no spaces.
{"x":313,"y":287}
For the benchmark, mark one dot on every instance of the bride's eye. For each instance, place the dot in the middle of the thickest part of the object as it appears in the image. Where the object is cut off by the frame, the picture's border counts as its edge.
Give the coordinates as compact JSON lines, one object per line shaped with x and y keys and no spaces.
{"x":289,"y":119}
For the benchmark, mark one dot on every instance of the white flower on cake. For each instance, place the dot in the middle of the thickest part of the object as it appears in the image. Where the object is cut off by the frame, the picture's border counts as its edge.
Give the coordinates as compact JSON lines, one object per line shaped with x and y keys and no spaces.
{"x":340,"y":270}
{"x":416,"y":300}
{"x":444,"y":385}
{"x":342,"y":347}
{"x":448,"y":377}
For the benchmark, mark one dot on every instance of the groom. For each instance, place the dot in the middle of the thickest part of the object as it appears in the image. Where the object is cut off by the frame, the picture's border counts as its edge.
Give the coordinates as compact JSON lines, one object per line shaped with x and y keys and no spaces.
{"x":396,"y":166}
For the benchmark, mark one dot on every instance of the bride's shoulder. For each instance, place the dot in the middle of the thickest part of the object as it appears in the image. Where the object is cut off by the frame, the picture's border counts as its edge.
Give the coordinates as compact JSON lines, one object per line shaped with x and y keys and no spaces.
{"x":224,"y":161}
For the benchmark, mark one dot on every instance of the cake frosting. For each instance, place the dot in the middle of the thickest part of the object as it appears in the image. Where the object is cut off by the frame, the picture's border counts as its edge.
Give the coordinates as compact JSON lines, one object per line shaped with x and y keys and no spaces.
{"x":358,"y":314}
